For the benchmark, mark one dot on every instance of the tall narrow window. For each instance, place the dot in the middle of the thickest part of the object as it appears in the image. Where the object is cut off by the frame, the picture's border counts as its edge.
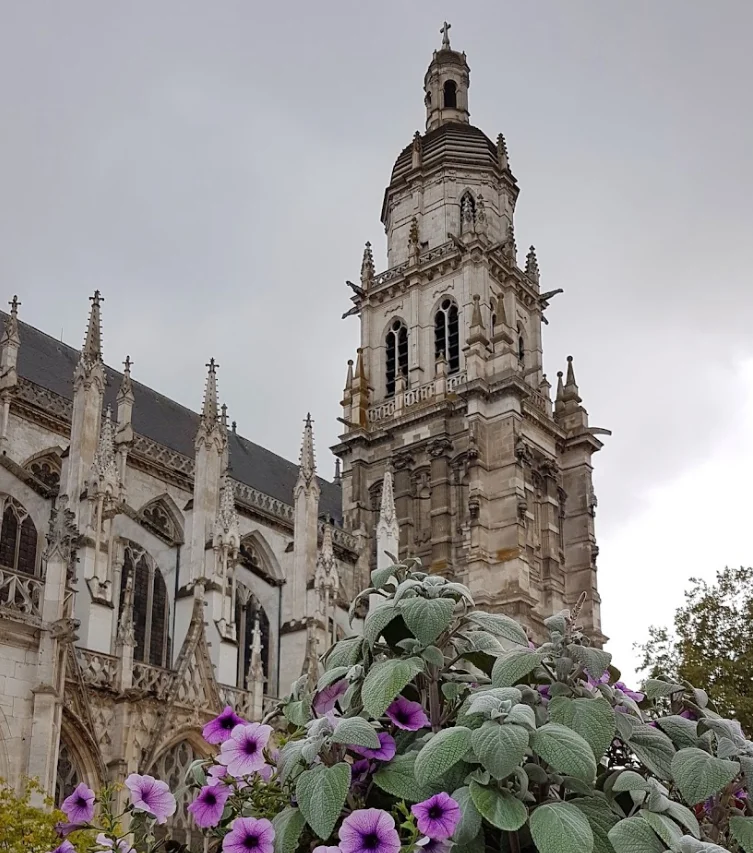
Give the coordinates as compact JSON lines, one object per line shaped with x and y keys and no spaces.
{"x":18,"y":539}
{"x":68,"y":774}
{"x":493,"y":306}
{"x":450,"y":95}
{"x":521,"y":345}
{"x":447,"y":335}
{"x":397,"y":354}
{"x":247,"y":608}
{"x":151,"y":608}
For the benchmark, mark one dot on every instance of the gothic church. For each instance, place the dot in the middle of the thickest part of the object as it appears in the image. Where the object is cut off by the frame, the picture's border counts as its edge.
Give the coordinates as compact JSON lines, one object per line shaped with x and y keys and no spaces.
{"x":155,"y":565}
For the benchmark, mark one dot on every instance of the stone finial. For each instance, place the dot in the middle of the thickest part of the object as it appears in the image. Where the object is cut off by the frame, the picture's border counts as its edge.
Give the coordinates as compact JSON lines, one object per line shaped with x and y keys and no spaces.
{"x":223,"y":415}
{"x":387,"y":513}
{"x":349,"y":378}
{"x":307,"y":470}
{"x":360,"y":381}
{"x":11,"y":336}
{"x":62,"y":535}
{"x":104,"y":474}
{"x":210,"y":408}
{"x":226,"y":525}
{"x":445,"y":30}
{"x":126,"y":384}
{"x":502,"y":156}
{"x":416,"y":151}
{"x":560,"y":388}
{"x":367,"y":266}
{"x":92,"y":349}
{"x":571,"y":386}
{"x":338,"y":474}
{"x":509,"y":246}
{"x":532,"y":265}
{"x":477,"y":332}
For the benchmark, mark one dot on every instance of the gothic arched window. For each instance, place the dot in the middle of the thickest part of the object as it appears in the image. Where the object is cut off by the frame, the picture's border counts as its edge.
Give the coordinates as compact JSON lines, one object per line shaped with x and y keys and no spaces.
{"x":521,"y":345}
{"x":68,"y":774}
{"x":18,"y":539}
{"x":151,"y":608}
{"x":397,"y":354}
{"x":246,"y":610}
{"x":46,"y":469}
{"x":493,"y":307}
{"x":446,"y":335}
{"x":172,"y":767}
{"x":450,"y":92}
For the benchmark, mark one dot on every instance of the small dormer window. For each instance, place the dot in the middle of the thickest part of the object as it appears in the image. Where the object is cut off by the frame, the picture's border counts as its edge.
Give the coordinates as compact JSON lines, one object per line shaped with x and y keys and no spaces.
{"x":450,"y":95}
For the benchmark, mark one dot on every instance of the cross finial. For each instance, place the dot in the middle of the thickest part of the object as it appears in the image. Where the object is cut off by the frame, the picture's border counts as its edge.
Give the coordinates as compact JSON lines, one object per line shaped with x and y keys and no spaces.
{"x":127,"y":364}
{"x":14,"y":306}
{"x":212,"y":365}
{"x":445,"y":30}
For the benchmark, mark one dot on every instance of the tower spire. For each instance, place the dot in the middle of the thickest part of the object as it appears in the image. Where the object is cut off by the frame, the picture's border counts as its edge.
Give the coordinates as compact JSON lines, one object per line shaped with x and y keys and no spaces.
{"x":210,"y":408}
{"x":532,"y":265}
{"x":571,"y":386}
{"x":367,"y":266}
{"x":446,"y":85}
{"x":92,"y":349}
{"x":307,"y":463}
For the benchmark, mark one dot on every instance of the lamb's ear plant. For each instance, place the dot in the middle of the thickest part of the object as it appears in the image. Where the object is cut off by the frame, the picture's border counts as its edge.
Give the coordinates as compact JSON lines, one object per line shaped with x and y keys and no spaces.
{"x":442,"y":726}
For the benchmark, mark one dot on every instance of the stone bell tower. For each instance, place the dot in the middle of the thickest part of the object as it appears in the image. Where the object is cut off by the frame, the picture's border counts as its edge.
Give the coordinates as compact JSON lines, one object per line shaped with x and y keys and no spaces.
{"x":492,"y":483}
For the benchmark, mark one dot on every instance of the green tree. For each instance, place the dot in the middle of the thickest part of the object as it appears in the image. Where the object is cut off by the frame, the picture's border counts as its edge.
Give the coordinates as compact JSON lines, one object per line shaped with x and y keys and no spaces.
{"x":711,"y":644}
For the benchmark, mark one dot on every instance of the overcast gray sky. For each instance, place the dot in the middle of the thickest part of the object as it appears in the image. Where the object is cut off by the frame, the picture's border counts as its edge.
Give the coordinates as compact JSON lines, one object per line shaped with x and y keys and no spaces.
{"x":215,"y":168}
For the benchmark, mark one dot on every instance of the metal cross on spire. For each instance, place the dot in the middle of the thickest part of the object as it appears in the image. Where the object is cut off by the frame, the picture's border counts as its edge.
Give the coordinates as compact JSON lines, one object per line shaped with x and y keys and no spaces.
{"x":445,"y":30}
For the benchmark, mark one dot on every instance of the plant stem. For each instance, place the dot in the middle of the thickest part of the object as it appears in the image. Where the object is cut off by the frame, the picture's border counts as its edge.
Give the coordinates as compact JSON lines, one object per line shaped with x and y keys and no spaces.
{"x":514,"y":841}
{"x":435,"y":713}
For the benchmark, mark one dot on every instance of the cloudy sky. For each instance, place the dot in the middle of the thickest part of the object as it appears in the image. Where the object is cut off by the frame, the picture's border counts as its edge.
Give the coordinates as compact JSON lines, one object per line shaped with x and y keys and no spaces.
{"x":215,"y":168}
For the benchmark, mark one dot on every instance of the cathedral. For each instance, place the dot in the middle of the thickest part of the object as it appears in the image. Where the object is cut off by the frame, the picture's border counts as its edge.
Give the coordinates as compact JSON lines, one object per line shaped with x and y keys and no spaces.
{"x":156,"y":566}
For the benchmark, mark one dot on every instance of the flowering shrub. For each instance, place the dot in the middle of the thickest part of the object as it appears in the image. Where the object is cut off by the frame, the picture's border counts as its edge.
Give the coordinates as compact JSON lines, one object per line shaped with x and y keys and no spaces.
{"x":443,"y":727}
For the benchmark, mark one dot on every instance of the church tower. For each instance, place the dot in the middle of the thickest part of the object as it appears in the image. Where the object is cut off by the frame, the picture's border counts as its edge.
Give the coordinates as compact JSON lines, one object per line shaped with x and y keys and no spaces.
{"x":492,"y":483}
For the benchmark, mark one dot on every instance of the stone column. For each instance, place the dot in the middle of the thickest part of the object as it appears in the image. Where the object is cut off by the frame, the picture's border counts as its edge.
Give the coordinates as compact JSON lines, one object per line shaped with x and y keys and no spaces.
{"x":441,"y":520}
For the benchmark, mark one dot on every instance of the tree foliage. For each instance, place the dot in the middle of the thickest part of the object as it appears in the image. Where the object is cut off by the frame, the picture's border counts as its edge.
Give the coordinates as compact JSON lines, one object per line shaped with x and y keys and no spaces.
{"x":711,"y":645}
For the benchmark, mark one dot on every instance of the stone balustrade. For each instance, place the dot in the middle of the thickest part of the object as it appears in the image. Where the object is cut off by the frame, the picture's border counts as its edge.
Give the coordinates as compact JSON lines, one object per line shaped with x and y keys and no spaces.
{"x":20,"y":594}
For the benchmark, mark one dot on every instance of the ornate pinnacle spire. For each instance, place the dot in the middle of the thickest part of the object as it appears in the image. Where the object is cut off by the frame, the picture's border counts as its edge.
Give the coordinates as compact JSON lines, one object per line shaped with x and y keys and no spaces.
{"x":477,"y":331}
{"x":560,"y":388}
{"x":223,"y":416}
{"x":416,"y":151}
{"x":226,"y":523}
{"x":126,"y":385}
{"x":308,"y":463}
{"x":338,"y":474}
{"x":387,"y":514}
{"x":502,"y":156}
{"x":367,"y":266}
{"x":360,"y":383}
{"x":349,"y":377}
{"x":571,"y":387}
{"x":532,"y":265}
{"x":92,"y":349}
{"x":104,"y":473}
{"x":10,"y":335}
{"x":209,"y":409}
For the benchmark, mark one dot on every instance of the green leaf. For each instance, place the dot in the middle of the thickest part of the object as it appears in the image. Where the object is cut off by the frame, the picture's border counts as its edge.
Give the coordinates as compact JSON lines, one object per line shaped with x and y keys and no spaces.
{"x":699,"y":775}
{"x":476,"y":845}
{"x":331,"y":676}
{"x":470,"y":820}
{"x":653,"y":749}
{"x":355,"y":731}
{"x":512,"y":666}
{"x":433,"y":656}
{"x":427,"y":618}
{"x":500,"y":808}
{"x":500,"y":625}
{"x":596,"y":661}
{"x":565,"y":750}
{"x":523,"y":715}
{"x":385,"y":680}
{"x":321,"y":794}
{"x":592,"y":719}
{"x":655,"y":688}
{"x":299,"y":712}
{"x":742,"y":830}
{"x":629,"y":780}
{"x":682,"y":732}
{"x":634,"y":835}
{"x":446,"y":748}
{"x":684,"y":816}
{"x":377,"y":620}
{"x":689,"y":845}
{"x":600,"y":818}
{"x":500,"y":748}
{"x":561,"y":828}
{"x":557,"y":623}
{"x":288,"y":825}
{"x":379,"y":577}
{"x":289,"y":758}
{"x":347,"y":652}
{"x":398,"y":778}
{"x":669,"y":832}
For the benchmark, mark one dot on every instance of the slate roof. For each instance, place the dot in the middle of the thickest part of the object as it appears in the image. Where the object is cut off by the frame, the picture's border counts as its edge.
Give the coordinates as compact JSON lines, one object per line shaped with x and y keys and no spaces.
{"x":50,"y":363}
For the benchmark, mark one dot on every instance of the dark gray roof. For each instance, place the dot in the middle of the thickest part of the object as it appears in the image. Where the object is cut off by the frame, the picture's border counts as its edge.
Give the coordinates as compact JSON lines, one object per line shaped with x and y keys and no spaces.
{"x":50,"y":363}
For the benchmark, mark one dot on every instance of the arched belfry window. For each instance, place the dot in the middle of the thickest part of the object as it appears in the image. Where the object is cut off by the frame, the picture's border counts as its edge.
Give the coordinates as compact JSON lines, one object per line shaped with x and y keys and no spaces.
{"x":493,"y":306}
{"x":151,"y":608}
{"x":446,"y":335}
{"x":18,"y":539}
{"x":521,"y":345}
{"x":467,"y":210}
{"x":450,"y":92}
{"x":397,"y":354}
{"x":247,"y":610}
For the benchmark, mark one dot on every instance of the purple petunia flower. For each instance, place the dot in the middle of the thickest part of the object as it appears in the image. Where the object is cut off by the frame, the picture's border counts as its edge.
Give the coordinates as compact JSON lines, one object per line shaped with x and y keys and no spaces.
{"x":688,"y":715}
{"x":220,"y":728}
{"x":438,"y":816}
{"x":360,"y":770}
{"x":407,"y":715}
{"x":386,"y":751}
{"x":368,"y":831}
{"x":325,"y":699}
{"x":124,"y":846}
{"x":544,"y":693}
{"x":151,"y":795}
{"x":249,"y":835}
{"x":207,"y":808}
{"x":79,"y":807}
{"x":64,"y":847}
{"x":64,"y":829}
{"x":323,"y":849}
{"x":433,"y":845}
{"x":243,"y":752}
{"x":631,"y":694}
{"x":216,"y":774}
{"x":595,"y":682}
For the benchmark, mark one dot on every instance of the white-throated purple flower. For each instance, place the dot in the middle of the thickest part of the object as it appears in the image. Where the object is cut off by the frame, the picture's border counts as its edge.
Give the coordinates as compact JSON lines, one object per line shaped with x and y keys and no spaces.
{"x":243,"y":752}
{"x":438,"y":816}
{"x":79,"y":807}
{"x":407,"y":715}
{"x":386,"y":751}
{"x":249,"y":835}
{"x":219,"y":729}
{"x":207,"y":808}
{"x":369,"y":831}
{"x":151,"y":795}
{"x":326,"y":699}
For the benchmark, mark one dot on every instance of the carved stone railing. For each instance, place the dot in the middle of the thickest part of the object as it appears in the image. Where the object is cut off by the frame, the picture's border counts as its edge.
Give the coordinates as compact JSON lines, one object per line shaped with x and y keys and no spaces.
{"x":241,"y":701}
{"x":413,"y":396}
{"x":161,"y":455}
{"x":539,"y":401}
{"x":341,"y":537}
{"x":52,"y":403}
{"x":426,"y":257}
{"x":20,"y":593}
{"x":151,"y":679}
{"x":97,"y":668}
{"x":251,"y":497}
